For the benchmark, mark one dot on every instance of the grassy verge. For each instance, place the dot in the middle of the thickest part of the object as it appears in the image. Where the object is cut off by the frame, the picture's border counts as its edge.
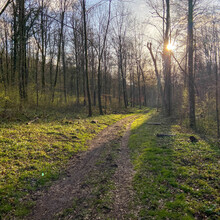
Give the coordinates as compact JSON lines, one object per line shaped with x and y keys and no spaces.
{"x":33,"y":155}
{"x":175,"y":179}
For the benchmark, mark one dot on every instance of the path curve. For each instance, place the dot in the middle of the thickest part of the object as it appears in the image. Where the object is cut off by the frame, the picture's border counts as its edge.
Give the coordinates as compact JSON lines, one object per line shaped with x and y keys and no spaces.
{"x":60,"y":195}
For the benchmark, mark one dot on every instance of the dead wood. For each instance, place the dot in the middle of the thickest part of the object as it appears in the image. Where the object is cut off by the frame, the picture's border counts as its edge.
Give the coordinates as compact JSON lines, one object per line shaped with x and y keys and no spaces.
{"x":166,"y":135}
{"x":154,"y":123}
{"x":32,"y":121}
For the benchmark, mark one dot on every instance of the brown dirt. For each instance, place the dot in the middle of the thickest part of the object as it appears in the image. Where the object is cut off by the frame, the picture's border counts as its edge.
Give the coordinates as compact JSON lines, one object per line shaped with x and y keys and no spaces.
{"x":123,"y":195}
{"x":52,"y":203}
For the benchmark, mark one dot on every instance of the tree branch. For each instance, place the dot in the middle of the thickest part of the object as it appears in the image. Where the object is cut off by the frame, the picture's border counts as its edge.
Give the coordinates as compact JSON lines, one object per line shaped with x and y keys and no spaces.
{"x":4,"y":8}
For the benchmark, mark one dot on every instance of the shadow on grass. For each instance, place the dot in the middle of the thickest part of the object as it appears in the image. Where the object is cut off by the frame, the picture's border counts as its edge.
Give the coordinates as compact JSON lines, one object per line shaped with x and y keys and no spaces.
{"x":174,"y":179}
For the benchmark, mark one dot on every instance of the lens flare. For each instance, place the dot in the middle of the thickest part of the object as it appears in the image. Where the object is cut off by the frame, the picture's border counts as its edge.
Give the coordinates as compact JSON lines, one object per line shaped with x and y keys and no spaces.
{"x":170,"y":47}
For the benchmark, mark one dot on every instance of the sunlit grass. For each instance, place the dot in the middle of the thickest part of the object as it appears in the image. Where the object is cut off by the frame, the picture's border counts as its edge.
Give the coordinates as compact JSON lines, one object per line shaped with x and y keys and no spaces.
{"x":175,"y":179}
{"x":33,"y":155}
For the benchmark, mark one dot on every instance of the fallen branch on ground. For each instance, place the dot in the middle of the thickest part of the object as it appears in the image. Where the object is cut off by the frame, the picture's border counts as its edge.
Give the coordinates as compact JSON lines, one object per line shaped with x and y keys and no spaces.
{"x":32,"y":121}
{"x":166,"y":135}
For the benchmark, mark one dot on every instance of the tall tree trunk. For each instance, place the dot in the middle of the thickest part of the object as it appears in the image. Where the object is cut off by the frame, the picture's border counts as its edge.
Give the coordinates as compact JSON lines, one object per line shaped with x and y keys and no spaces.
{"x":101,"y":50}
{"x":22,"y":50}
{"x":217,"y":95}
{"x":6,"y":56}
{"x":59,"y":54}
{"x":119,"y":83}
{"x":159,"y":85}
{"x":93,"y":78}
{"x":64,"y":70}
{"x":167,"y":63}
{"x":43,"y":48}
{"x":144,"y":85}
{"x":15,"y":44}
{"x":122,"y":72}
{"x":215,"y":35}
{"x":76,"y":45}
{"x":130,"y":80}
{"x":2,"y":74}
{"x":133,"y":89}
{"x":192,"y":118}
{"x":100,"y":88}
{"x":36,"y":76}
{"x":86,"y":58}
{"x":139,"y":86}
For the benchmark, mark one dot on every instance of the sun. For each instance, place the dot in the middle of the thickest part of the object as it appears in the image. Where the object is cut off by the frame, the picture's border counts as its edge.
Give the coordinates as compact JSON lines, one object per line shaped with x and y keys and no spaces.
{"x":170,"y":47}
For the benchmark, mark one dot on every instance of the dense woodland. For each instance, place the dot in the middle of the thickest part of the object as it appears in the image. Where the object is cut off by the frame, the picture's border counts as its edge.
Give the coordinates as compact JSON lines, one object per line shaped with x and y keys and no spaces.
{"x":75,"y":53}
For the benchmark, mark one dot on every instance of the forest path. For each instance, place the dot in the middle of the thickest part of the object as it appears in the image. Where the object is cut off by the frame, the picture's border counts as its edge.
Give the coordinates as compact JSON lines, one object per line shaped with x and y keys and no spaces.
{"x":98,"y":181}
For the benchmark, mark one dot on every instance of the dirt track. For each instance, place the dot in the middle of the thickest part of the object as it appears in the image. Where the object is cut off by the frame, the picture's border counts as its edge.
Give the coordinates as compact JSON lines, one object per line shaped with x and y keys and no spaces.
{"x":94,"y":165}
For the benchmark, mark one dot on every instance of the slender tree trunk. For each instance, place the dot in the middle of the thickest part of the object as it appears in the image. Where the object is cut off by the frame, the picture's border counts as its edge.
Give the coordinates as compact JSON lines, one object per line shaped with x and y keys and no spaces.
{"x":144,"y":86}
{"x":86,"y":57}
{"x":139,"y":87}
{"x":217,"y":96}
{"x":36,"y":76}
{"x":159,"y":85}
{"x":15,"y":44}
{"x":133,"y":90}
{"x":215,"y":35}
{"x":2,"y":73}
{"x":101,"y":50}
{"x":122,"y":73}
{"x":130,"y":79}
{"x":6,"y":57}
{"x":43,"y":48}
{"x":64,"y":70}
{"x":77,"y":62}
{"x":192,"y":118}
{"x":59,"y":54}
{"x":100,"y":88}
{"x":119,"y":83}
{"x":84,"y":76}
{"x":51,"y":74}
{"x":22,"y":51}
{"x":93,"y":78}
{"x":167,"y":63}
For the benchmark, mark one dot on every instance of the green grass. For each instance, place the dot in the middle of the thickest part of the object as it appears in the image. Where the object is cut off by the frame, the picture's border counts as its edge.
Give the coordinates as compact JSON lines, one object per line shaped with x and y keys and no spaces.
{"x":175,"y":179}
{"x":31,"y":156}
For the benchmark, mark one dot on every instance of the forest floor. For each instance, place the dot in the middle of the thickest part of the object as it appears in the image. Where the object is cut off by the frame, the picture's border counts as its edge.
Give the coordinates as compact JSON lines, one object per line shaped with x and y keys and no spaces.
{"x":126,"y":172}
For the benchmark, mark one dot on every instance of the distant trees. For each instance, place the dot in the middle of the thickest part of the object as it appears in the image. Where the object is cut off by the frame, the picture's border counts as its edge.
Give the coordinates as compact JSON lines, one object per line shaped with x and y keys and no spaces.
{"x":79,"y":53}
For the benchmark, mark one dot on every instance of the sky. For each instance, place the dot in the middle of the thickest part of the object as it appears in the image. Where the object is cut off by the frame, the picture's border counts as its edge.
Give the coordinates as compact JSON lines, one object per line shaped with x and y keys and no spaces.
{"x":139,"y":8}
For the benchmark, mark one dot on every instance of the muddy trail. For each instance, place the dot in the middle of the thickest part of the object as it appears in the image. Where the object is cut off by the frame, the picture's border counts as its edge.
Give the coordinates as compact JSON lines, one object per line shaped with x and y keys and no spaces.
{"x":97,"y":184}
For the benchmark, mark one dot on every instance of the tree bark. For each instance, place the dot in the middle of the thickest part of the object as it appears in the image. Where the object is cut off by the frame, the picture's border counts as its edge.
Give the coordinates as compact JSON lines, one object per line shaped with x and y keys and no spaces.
{"x":86,"y":57}
{"x":192,"y":118}
{"x":167,"y":63}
